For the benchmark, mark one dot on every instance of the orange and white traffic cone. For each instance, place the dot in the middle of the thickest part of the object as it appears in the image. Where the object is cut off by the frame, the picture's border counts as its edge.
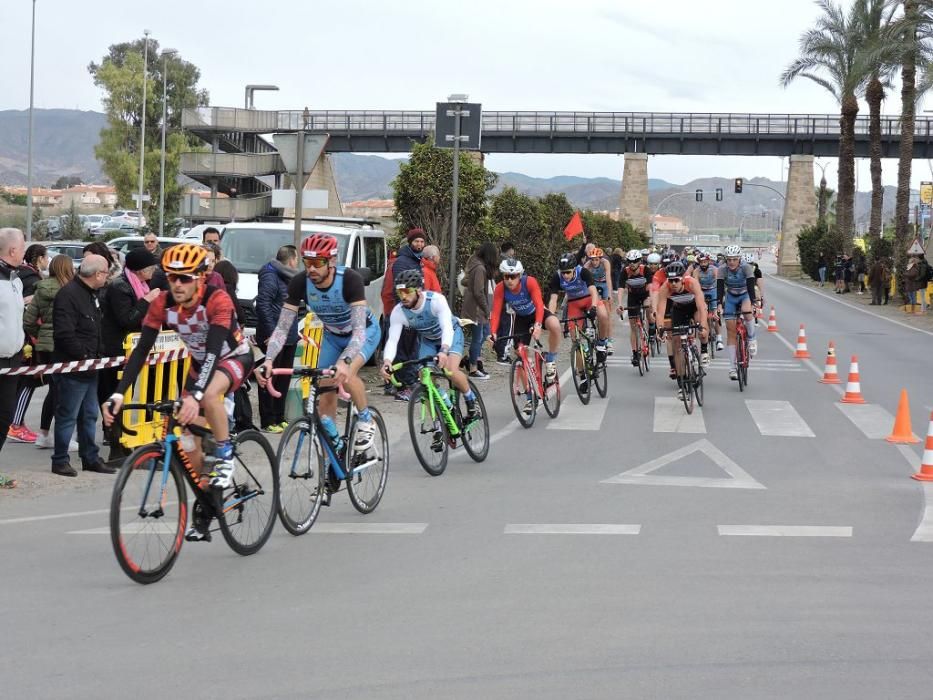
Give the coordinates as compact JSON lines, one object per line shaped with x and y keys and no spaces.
{"x":830,"y":374}
{"x":853,"y":386}
{"x":926,"y":465}
{"x":802,"y":351}
{"x":772,"y":322}
{"x":902,"y":432}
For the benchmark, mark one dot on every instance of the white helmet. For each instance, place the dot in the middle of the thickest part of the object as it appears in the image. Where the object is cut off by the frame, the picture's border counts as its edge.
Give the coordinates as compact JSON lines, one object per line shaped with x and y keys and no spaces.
{"x":654,"y":259}
{"x":645,"y":251}
{"x":633,"y":255}
{"x":733,"y":251}
{"x":748,"y":258}
{"x":511,"y":266}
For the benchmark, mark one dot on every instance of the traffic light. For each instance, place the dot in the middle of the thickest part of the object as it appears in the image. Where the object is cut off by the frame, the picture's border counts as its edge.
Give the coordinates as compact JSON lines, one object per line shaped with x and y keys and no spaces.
{"x":719,"y":194}
{"x":699,"y":195}
{"x":738,"y":185}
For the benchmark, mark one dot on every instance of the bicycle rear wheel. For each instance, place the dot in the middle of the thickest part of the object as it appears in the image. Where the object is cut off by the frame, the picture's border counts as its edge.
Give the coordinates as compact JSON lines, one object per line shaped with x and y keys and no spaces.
{"x":522,"y":394}
{"x":581,"y":377}
{"x":367,"y":471}
{"x":475,"y":435}
{"x":302,"y":466}
{"x":147,"y":530}
{"x":551,"y":397}
{"x":428,"y":432}
{"x":251,"y":504}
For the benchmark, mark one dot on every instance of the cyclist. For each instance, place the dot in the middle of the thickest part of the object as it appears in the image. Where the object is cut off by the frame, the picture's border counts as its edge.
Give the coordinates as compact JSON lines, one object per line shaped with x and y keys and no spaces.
{"x":578,"y":286}
{"x":351,"y":332}
{"x":705,"y":273}
{"x":683,"y":301}
{"x":736,"y":292}
{"x":635,"y":281}
{"x":523,"y":295}
{"x":205,"y":319}
{"x":439,"y":332}
{"x":598,"y":265}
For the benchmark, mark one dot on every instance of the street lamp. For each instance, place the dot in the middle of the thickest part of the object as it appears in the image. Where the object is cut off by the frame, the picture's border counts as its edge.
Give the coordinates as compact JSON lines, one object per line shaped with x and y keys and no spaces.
{"x":32,"y":69}
{"x":250,"y":89}
{"x":142,"y":133}
{"x":165,"y":54}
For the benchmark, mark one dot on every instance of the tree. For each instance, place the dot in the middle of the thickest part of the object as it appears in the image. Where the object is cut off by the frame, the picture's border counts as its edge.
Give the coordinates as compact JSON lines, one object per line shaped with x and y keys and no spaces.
{"x":71,"y":223}
{"x":422,"y":192}
{"x":66,"y":181}
{"x":834,"y":55}
{"x":120,"y":76}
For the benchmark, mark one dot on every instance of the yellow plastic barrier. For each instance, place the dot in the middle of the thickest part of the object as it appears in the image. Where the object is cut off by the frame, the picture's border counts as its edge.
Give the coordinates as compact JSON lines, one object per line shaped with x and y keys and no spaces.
{"x":306,"y":355}
{"x":156,"y":382}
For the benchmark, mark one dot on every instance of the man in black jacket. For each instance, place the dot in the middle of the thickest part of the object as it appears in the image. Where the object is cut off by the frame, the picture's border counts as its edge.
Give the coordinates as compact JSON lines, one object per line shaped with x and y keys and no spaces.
{"x":77,"y":334}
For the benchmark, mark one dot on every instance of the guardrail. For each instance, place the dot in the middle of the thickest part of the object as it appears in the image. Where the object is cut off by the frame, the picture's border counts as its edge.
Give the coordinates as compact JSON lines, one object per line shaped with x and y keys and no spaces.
{"x":236,"y":164}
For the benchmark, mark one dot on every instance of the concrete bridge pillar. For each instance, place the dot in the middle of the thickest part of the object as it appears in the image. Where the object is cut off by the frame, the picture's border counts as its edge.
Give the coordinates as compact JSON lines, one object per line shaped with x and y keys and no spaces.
{"x":321,"y":178}
{"x":633,"y":203}
{"x":799,"y":212}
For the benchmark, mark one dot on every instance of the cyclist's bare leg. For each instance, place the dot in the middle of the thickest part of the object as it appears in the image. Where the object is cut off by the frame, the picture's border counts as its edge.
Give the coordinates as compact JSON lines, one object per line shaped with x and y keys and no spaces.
{"x":749,"y":318}
{"x":633,"y":332}
{"x":552,"y":326}
{"x":457,"y":377}
{"x":213,"y":406}
{"x":354,"y":387}
{"x":602,"y":321}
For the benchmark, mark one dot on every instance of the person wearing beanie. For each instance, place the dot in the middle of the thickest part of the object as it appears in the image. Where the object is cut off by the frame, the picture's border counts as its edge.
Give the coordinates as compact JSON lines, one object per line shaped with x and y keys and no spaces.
{"x":409,"y":258}
{"x":124,"y":305}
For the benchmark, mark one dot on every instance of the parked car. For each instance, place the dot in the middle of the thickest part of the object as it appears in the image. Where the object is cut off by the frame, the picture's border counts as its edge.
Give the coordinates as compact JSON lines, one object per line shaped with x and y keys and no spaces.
{"x":128,"y":216}
{"x":51,"y":226}
{"x":250,"y":245}
{"x":113,"y":226}
{"x":73,"y":249}
{"x":92,"y":221}
{"x":197,"y":232}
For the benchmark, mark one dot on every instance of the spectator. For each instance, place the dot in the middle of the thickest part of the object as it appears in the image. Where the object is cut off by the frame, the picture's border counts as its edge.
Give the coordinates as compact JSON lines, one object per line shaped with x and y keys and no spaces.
{"x":888,"y":266}
{"x":915,"y":279}
{"x":77,"y":336}
{"x":821,"y":269}
{"x":242,"y":406}
{"x":151,"y":243}
{"x":211,"y":236}
{"x":479,"y":271}
{"x":113,"y":259}
{"x":273,"y":290}
{"x":12,"y":249}
{"x":847,"y":269}
{"x":210,"y":277}
{"x":506,"y":252}
{"x":861,"y":272}
{"x":616,"y":263}
{"x":30,"y":273}
{"x":409,"y":258}
{"x":839,"y":273}
{"x":430,"y":259}
{"x":877,"y":278}
{"x":123,"y":308}
{"x":37,"y":323}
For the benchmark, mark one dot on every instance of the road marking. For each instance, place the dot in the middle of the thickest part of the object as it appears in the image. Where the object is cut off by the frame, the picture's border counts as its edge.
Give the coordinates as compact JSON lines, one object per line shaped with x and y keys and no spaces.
{"x":56,"y":516}
{"x":573,"y":529}
{"x":738,"y":477}
{"x":783,"y":531}
{"x":924,"y":531}
{"x":777,"y":418}
{"x":838,"y":388}
{"x":670,"y":417}
{"x":769,"y":363}
{"x":574,"y":415}
{"x":874,"y":422}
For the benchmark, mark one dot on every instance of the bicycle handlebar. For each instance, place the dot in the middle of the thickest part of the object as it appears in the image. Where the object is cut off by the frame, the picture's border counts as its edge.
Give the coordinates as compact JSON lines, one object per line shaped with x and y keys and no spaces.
{"x":312,"y":372}
{"x":421,"y":361}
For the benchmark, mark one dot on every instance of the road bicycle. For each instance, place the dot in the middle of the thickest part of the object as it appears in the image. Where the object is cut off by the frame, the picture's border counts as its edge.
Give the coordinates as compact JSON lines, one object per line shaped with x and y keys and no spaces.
{"x":741,"y":352}
{"x":690,"y":378}
{"x":437,"y":417}
{"x":645,"y":343}
{"x":585,"y":367}
{"x":149,"y":506}
{"x":312,"y":464}
{"x":528,"y":383}
{"x":712,"y":321}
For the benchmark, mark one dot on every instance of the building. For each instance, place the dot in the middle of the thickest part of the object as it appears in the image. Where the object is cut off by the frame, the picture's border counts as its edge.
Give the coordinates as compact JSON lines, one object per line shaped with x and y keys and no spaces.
{"x":84,"y":196}
{"x":669,"y":225}
{"x":370,"y":209}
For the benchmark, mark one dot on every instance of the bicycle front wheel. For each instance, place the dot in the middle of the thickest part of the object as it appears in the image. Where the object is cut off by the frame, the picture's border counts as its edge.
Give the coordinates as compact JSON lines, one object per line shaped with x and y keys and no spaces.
{"x":741,"y":360}
{"x":302,"y":466}
{"x":475,"y":434}
{"x":524,"y":399}
{"x":428,"y":432}
{"x":686,"y":382}
{"x":697,"y":371}
{"x":147,"y":529}
{"x":368,"y":470}
{"x":600,"y":376}
{"x":551,"y":397}
{"x":578,"y":369}
{"x":250,"y":505}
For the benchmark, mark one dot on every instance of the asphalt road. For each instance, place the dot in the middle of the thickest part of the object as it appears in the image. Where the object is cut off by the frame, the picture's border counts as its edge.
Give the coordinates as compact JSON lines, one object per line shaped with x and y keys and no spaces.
{"x":762,"y":548}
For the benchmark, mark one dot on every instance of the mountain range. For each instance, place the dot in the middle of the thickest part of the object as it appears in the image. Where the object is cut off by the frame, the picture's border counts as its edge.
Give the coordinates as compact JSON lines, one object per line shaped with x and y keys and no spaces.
{"x":65,"y":140}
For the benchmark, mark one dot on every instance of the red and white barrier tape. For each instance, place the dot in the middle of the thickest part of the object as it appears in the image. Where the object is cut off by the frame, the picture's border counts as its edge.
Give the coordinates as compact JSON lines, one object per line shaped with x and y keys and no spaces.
{"x":88,"y":365}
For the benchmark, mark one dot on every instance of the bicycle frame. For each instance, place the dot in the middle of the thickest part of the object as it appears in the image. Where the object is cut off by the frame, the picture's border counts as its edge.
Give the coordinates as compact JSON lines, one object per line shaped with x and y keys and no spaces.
{"x":435,"y":402}
{"x":532,"y":367}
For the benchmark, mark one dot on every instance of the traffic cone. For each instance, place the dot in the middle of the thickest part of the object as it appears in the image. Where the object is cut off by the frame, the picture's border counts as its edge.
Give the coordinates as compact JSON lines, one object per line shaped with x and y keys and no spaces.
{"x":830,"y":375}
{"x":772,"y":322}
{"x":802,"y":351}
{"x":926,"y":465}
{"x":902,"y":433}
{"x":853,"y":387}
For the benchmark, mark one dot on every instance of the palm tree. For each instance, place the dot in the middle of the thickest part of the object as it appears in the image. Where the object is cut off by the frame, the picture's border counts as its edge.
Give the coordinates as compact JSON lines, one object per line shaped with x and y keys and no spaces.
{"x":835,"y":56}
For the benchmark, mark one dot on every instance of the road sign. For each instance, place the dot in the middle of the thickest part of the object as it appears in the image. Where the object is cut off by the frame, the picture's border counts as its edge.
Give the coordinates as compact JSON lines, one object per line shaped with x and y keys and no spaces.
{"x":287,"y":145}
{"x":915,"y":248}
{"x":146,"y":198}
{"x":311,"y":199}
{"x":926,"y":192}
{"x":471,"y":125}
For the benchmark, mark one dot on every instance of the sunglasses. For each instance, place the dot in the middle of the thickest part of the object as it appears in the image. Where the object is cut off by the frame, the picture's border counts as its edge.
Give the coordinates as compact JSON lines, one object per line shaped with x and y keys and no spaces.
{"x":511,"y":276}
{"x":405,"y":291}
{"x":675,"y":280}
{"x":316,"y":262}
{"x":184,"y":279}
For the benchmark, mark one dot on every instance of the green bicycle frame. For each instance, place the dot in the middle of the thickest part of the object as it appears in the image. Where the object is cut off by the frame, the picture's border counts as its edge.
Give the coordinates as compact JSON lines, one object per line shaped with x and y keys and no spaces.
{"x":435,"y":401}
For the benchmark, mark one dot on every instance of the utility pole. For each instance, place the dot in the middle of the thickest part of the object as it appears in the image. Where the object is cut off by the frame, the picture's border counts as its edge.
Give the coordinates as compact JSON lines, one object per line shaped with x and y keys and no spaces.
{"x":142,"y":134}
{"x":32,"y":72}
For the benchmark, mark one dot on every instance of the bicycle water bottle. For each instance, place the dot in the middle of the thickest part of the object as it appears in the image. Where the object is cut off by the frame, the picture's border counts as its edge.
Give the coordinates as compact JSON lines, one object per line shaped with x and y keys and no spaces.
{"x":331,"y":429}
{"x":445,"y":397}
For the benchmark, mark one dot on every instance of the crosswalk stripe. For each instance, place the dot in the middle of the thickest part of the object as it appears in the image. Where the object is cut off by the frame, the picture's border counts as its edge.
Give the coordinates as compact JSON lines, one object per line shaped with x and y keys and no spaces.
{"x":778,"y":418}
{"x":783,"y":531}
{"x":670,"y":417}
{"x":874,"y":422}
{"x":572,"y":529}
{"x":574,"y":415}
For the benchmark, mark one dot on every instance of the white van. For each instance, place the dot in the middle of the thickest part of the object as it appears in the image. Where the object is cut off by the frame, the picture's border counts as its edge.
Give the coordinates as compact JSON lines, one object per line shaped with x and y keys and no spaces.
{"x":250,"y":245}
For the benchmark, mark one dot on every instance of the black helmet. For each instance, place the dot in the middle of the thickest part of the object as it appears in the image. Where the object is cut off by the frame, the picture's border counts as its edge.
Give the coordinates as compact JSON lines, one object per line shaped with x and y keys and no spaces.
{"x":412,"y":279}
{"x":675,"y":269}
{"x":568,"y":261}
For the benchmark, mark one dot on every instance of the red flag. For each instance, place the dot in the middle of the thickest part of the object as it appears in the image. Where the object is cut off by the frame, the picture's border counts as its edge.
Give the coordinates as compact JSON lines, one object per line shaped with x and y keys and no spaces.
{"x":575,"y":227}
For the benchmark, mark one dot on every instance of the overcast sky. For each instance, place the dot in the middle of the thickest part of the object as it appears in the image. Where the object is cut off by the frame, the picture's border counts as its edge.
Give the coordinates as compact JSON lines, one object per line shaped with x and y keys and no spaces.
{"x":677,"y":56}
